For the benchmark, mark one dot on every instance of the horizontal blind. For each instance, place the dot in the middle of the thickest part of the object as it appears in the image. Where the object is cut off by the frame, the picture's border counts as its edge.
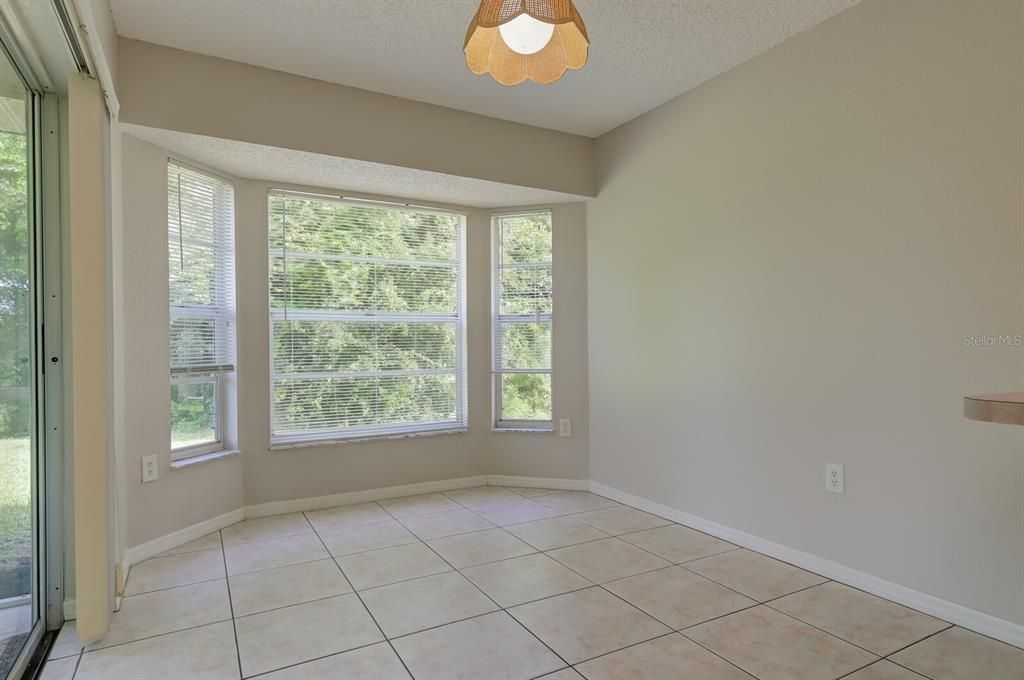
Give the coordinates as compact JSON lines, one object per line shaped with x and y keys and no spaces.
{"x":200,"y":246}
{"x":367,"y":311}
{"x":522,"y":315}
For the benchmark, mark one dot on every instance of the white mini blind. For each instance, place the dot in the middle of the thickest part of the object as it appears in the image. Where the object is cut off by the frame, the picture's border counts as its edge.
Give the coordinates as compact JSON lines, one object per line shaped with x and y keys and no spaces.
{"x":522,"y":318}
{"x":367,"y":315}
{"x":200,"y":246}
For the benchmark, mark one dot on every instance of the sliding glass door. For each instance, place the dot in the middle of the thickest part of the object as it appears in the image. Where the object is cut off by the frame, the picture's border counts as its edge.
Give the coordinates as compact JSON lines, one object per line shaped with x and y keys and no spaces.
{"x":20,"y":470}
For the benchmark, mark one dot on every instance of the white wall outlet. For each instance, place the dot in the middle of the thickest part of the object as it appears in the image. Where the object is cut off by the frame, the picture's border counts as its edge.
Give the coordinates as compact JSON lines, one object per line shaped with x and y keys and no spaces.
{"x":565,"y":427}
{"x":835,"y":478}
{"x":149,"y":469}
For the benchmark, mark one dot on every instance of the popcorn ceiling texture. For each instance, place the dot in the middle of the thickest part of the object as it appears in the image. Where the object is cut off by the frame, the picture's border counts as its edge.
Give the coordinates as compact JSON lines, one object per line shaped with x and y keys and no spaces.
{"x":643,"y":52}
{"x":273,"y":164}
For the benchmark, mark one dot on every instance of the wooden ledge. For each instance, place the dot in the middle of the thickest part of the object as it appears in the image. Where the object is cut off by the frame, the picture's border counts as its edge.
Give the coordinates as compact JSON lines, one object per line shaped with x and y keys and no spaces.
{"x":1007,"y":407}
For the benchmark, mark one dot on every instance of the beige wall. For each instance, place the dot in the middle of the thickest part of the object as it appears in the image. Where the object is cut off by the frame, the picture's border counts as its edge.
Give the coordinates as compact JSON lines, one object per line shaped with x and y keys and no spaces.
{"x":179,"y":498}
{"x":782,"y":266}
{"x":183,"y":497}
{"x":174,"y":90}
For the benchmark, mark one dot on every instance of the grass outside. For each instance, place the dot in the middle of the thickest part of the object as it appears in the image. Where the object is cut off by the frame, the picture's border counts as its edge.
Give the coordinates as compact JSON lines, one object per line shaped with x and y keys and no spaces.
{"x":15,"y":515}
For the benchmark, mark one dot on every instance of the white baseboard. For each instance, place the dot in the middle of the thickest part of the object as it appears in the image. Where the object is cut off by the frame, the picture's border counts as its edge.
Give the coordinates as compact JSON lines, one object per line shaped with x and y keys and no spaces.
{"x":365,"y":496}
{"x":539,"y":482}
{"x":69,"y":610}
{"x":180,"y":537}
{"x":986,"y":624}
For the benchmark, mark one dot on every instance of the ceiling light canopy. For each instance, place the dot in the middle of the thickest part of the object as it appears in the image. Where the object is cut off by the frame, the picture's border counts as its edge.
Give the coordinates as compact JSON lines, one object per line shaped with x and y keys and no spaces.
{"x":516,"y":40}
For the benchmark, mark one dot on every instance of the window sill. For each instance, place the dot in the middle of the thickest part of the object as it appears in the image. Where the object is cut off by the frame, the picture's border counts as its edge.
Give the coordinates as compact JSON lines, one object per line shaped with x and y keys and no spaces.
{"x":202,"y":458}
{"x":525,"y":430}
{"x":306,"y":443}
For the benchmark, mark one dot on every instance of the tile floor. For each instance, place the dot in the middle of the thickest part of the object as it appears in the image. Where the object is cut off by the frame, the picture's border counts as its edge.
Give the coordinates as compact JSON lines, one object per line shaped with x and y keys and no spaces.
{"x":497,"y":582}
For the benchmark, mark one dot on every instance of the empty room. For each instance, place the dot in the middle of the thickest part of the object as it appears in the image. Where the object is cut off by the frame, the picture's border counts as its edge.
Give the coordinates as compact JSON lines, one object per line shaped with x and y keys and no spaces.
{"x":512,"y":339}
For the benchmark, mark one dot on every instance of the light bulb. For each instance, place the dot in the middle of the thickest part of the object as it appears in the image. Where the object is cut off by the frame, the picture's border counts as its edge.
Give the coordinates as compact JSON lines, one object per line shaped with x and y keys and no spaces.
{"x":526,"y":35}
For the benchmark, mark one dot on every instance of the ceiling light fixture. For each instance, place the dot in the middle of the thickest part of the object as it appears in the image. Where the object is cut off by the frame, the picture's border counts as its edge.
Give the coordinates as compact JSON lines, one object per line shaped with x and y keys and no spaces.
{"x":516,"y":40}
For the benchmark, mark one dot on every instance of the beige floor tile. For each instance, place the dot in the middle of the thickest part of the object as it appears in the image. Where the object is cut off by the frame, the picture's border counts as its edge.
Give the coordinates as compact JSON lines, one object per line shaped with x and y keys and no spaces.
{"x":59,"y":669}
{"x":346,"y":516}
{"x":265,"y":528}
{"x":67,"y":642}
{"x":304,"y":632}
{"x":207,"y":542}
{"x":884,"y":670}
{"x":677,"y":543}
{"x":205,"y":653}
{"x":391,"y":565}
{"x":773,"y":646}
{"x":531,"y":492}
{"x":473,"y":649}
{"x":958,"y":654}
{"x":276,"y":552}
{"x":166,"y":611}
{"x":558,"y":532}
{"x":422,"y":603}
{"x":514,"y":512}
{"x":867,"y":621}
{"x":670,"y":656}
{"x":754,"y":575}
{"x":376,"y":662}
{"x":620,"y":520}
{"x":367,"y":537}
{"x":677,"y":597}
{"x":480,"y":495}
{"x":586,"y":624}
{"x":261,"y":591}
{"x":525,"y":579}
{"x":409,"y":506}
{"x":575,"y":501}
{"x":175,"y":570}
{"x":479,"y":547}
{"x":449,"y":523}
{"x":607,"y":560}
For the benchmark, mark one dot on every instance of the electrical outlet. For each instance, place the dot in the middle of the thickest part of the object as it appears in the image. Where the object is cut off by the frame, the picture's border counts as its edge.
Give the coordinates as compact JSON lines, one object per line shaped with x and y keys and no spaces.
{"x":835,"y":478}
{"x":565,"y":427}
{"x":149,"y":469}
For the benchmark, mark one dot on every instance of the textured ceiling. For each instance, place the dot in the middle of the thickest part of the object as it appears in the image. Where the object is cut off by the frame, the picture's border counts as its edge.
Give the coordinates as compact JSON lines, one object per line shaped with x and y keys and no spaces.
{"x":643,"y":52}
{"x":272,"y":164}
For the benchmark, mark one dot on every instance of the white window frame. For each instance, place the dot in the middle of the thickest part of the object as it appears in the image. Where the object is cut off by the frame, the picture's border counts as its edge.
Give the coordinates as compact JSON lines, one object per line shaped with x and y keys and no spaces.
{"x":398,"y":431}
{"x":497,"y":319}
{"x":221,"y":373}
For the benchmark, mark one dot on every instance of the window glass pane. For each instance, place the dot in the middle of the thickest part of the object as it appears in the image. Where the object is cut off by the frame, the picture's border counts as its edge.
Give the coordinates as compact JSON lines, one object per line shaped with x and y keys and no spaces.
{"x":336,"y":228}
{"x":526,"y":291}
{"x":526,"y":396}
{"x":304,"y":283}
{"x":193,"y":411}
{"x":367,"y":319}
{"x":324,"y":346}
{"x":526,"y":345}
{"x":526,"y":238}
{"x":325,"y":405}
{"x":17,"y":423}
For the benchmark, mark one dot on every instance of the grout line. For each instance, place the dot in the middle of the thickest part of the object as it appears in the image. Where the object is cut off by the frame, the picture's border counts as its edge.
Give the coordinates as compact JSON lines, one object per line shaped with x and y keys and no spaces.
{"x":78,"y":662}
{"x":151,"y":637}
{"x":231,"y":606}
{"x":318,"y":658}
{"x":161,"y":590}
{"x":931,"y":635}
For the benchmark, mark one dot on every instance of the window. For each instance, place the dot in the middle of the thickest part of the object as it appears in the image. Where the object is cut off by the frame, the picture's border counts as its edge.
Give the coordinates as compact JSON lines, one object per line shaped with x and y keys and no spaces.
{"x":200,"y":248}
{"x":367,"y":316}
{"x":522,"y":314}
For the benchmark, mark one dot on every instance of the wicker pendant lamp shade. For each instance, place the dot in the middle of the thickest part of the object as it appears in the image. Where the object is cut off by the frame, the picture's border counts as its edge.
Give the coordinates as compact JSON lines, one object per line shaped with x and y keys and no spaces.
{"x":510,"y":40}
